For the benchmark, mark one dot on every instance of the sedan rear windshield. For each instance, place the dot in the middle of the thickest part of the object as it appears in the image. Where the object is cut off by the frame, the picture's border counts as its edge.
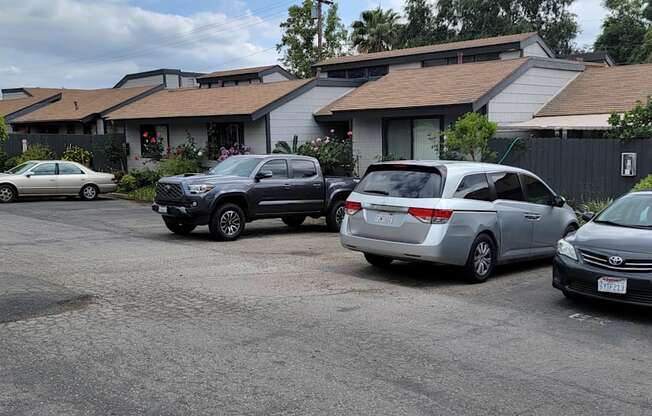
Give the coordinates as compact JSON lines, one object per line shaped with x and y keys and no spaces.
{"x":402,"y":182}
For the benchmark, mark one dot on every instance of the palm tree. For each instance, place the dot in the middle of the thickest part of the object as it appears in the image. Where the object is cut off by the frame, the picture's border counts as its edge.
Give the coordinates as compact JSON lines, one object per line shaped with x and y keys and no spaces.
{"x":377,"y":31}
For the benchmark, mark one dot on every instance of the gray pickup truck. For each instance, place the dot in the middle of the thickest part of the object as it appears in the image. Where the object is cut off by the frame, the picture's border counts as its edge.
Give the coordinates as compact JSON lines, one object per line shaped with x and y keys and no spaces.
{"x":242,"y":189}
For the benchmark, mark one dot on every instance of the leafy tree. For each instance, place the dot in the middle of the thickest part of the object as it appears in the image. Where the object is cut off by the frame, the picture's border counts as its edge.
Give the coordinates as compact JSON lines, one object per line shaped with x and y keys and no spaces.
{"x":4,"y":130}
{"x":422,"y":27}
{"x":377,"y":31}
{"x":284,"y":147}
{"x":470,"y":136}
{"x":298,"y":47}
{"x":472,"y":19}
{"x":633,"y":124}
{"x":627,"y":31}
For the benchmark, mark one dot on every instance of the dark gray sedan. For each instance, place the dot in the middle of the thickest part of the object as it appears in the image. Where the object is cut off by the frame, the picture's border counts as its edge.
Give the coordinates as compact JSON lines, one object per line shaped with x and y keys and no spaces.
{"x":611,"y":256}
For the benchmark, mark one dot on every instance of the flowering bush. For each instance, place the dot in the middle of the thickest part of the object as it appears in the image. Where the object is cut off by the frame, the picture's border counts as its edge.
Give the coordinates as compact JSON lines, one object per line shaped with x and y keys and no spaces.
{"x":152,"y":146}
{"x":236,"y":149}
{"x":186,"y":151}
{"x":335,"y":154}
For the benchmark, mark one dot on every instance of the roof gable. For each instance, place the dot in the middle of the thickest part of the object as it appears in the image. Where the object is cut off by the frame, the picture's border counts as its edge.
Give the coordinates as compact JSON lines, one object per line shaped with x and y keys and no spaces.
{"x":36,"y":95}
{"x":244,"y":73}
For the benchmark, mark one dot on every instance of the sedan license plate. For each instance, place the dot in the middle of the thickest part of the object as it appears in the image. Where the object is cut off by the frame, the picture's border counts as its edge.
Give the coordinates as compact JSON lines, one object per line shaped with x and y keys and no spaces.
{"x":384,"y":219}
{"x":612,"y":285}
{"x":162,"y":209}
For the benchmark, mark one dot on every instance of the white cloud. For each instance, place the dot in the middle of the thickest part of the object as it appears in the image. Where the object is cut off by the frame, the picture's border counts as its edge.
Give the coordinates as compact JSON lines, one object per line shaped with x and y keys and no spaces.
{"x":77,"y":43}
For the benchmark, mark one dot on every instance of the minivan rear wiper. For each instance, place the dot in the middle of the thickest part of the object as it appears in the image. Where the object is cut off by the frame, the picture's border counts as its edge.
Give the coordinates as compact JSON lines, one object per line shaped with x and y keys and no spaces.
{"x":376,"y":191}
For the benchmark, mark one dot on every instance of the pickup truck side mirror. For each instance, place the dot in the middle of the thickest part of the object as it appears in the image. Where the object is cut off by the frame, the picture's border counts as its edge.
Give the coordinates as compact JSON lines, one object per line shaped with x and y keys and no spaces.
{"x":558,"y":201}
{"x":588,"y":216}
{"x":264,"y":174}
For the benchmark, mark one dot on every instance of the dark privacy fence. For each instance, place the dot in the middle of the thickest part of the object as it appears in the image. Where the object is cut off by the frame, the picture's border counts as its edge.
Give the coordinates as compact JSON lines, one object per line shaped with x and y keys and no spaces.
{"x":98,"y":144}
{"x":582,"y":170}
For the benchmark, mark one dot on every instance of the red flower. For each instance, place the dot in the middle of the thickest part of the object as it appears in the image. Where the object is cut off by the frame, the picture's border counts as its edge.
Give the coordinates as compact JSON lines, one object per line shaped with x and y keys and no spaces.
{"x":145,"y":134}
{"x":152,"y":140}
{"x":136,"y":157}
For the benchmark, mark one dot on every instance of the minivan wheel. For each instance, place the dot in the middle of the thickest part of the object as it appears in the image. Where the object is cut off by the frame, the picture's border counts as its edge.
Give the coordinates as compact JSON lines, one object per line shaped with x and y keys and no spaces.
{"x":227,"y":223}
{"x":378,"y":261}
{"x":335,"y":216}
{"x":482,"y":259}
{"x":7,"y":194}
{"x":294,"y":221}
{"x":178,"y":227}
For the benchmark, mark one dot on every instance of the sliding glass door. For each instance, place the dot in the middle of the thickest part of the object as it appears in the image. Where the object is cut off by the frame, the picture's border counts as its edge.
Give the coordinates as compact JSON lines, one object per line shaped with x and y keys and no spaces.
{"x":412,"y":138}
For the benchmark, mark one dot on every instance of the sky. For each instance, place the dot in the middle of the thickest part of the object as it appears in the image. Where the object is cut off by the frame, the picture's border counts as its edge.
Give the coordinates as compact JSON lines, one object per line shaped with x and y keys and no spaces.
{"x":93,"y":43}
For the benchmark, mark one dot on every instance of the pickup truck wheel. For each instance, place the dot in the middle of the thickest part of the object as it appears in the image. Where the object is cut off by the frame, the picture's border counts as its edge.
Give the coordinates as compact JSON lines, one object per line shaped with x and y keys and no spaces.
{"x":227,"y":222}
{"x":178,"y":227}
{"x":335,"y":216}
{"x":294,"y":221}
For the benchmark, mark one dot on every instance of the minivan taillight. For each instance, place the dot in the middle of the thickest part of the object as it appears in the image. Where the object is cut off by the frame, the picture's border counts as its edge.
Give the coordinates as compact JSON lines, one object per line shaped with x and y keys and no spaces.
{"x":433,"y":216}
{"x":351,"y":207}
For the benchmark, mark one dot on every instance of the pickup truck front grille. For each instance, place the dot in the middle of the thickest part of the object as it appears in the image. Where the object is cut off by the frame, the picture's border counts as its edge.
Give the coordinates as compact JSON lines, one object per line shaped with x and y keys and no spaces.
{"x":168,"y":192}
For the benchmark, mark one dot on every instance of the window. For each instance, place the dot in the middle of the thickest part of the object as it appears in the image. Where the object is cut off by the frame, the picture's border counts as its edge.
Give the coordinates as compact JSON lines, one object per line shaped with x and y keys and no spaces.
{"x":223,"y":135}
{"x":486,"y":57}
{"x":356,"y":73}
{"x":435,"y":62}
{"x":416,"y":138}
{"x":303,"y":169}
{"x":45,"y":169}
{"x":452,"y":60}
{"x":279,"y":168}
{"x":153,"y":140}
{"x":468,"y":59}
{"x":378,"y":71}
{"x":341,"y":73}
{"x":537,"y":192}
{"x":508,"y":186}
{"x":474,"y":187}
{"x":402,"y":182}
{"x":69,"y":169}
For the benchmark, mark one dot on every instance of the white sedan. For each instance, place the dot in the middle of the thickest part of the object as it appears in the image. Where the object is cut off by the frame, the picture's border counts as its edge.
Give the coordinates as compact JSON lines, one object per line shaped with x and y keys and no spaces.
{"x":54,"y":178}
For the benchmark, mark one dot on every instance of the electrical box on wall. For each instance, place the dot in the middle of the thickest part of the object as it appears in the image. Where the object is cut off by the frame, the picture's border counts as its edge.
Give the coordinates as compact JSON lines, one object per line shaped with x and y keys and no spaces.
{"x":628,"y":164}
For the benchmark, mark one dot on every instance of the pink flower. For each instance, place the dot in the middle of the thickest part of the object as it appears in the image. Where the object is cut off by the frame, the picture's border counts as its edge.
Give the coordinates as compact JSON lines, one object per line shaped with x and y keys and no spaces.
{"x":136,"y":157}
{"x":145,"y":134}
{"x":350,"y":133}
{"x":152,"y":140}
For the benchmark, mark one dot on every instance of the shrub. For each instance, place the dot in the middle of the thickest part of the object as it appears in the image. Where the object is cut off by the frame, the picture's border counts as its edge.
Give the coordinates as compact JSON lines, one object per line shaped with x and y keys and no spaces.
{"x":3,"y":160}
{"x":644,"y":185}
{"x":177,"y":166}
{"x":145,"y":177}
{"x":335,"y":155}
{"x":470,"y":135}
{"x":33,"y":152}
{"x":128,"y":183}
{"x":594,"y":207}
{"x":77,"y":154}
{"x":4,"y":131}
{"x":188,"y":150}
{"x":145,"y":193}
{"x":236,"y":149}
{"x":633,"y":124}
{"x":284,"y":147}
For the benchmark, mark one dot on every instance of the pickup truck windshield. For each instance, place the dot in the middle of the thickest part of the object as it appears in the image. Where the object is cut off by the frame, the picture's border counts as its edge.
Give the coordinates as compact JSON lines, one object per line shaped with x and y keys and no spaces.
{"x":402,"y":182}
{"x":236,"y":166}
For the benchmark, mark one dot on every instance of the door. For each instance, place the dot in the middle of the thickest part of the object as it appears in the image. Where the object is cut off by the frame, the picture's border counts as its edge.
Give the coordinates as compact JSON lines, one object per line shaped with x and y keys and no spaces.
{"x":515,"y":227}
{"x":307,"y":186}
{"x":548,"y":220}
{"x":41,"y":180}
{"x":273,"y":195}
{"x":426,"y":133}
{"x":70,"y":180}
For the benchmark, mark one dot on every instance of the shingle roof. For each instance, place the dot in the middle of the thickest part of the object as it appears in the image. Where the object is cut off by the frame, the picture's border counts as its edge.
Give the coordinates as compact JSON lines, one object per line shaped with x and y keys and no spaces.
{"x":442,"y":47}
{"x":207,"y":102}
{"x":238,"y":71}
{"x":603,"y":90}
{"x":37,"y":94}
{"x":89,"y":102}
{"x":428,"y":87}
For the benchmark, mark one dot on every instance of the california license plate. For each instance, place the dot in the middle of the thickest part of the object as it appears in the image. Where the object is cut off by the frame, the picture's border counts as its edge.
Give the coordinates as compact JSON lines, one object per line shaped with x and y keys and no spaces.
{"x":384,"y":219}
{"x":612,"y":285}
{"x":162,"y":209}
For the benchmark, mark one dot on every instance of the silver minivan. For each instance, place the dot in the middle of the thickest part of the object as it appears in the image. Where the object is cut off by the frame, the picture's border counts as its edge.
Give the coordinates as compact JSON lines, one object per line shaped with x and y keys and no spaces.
{"x":475,"y":215}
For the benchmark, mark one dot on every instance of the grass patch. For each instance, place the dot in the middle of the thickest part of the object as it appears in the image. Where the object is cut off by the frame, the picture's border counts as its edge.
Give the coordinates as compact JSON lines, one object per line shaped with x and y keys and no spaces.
{"x":145,"y":194}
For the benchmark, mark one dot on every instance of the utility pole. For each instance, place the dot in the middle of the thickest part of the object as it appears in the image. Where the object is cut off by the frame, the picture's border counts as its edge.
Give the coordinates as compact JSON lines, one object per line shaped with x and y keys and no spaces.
{"x":320,"y":26}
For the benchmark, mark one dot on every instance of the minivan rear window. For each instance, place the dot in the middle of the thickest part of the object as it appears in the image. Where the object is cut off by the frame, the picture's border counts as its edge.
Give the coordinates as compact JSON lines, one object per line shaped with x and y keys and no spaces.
{"x":402,"y":182}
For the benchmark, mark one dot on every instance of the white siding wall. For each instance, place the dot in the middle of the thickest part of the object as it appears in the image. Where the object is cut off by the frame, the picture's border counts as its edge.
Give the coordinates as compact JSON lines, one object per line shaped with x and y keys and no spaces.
{"x":172,"y":81}
{"x":410,"y":65}
{"x":296,"y":116}
{"x":274,"y":77}
{"x":367,"y":140}
{"x":188,"y":82}
{"x":535,"y":50}
{"x":254,"y":136}
{"x":139,"y":82}
{"x":14,"y":95}
{"x":526,"y":95}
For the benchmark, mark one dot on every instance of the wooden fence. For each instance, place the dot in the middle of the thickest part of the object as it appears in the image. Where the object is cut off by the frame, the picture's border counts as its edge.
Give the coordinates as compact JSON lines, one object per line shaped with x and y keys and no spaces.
{"x":580,"y":169}
{"x":97,"y":144}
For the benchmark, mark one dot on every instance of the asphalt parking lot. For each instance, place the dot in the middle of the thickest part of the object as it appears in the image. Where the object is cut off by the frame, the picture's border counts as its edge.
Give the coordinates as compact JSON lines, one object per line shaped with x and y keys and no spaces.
{"x":104,"y":312}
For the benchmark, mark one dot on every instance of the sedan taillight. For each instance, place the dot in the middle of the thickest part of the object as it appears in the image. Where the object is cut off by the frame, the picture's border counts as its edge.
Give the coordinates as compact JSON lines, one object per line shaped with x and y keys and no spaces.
{"x":432,"y":216}
{"x":352,"y":207}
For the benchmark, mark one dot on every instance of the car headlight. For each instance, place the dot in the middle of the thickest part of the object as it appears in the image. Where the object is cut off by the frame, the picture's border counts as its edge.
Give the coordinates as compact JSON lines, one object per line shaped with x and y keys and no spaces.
{"x":565,"y":248}
{"x":200,"y":189}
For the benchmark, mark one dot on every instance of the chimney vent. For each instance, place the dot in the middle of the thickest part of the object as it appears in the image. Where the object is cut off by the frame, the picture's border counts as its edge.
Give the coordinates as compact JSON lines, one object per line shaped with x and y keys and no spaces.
{"x":76,"y":106}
